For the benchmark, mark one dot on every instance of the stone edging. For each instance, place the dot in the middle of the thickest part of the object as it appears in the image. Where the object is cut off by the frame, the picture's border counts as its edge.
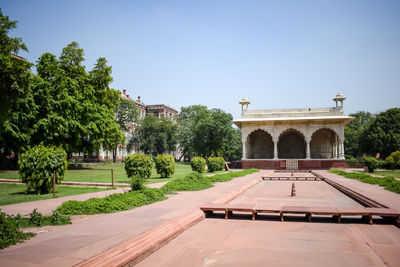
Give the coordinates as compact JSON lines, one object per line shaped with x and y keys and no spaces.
{"x":138,"y":248}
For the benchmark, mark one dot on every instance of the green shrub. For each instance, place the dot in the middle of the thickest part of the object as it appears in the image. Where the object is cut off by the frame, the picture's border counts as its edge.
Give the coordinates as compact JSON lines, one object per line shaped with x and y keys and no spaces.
{"x":37,"y":165}
{"x":112,"y":203}
{"x":191,"y":182}
{"x":371,"y":163}
{"x":198,"y":164}
{"x":138,"y":168}
{"x":230,"y":175}
{"x":215,"y":164}
{"x":9,"y":231}
{"x":165,"y":165}
{"x":393,"y":161}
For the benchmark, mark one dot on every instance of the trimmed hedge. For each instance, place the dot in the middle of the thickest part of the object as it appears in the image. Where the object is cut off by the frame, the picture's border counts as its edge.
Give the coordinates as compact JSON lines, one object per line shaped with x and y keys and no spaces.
{"x":191,"y":182}
{"x":138,"y":168}
{"x":215,"y":164}
{"x":225,"y":177}
{"x":37,"y":166}
{"x":165,"y":165}
{"x":393,"y":161}
{"x":197,"y":181}
{"x":371,"y":163}
{"x":198,"y":164}
{"x":112,"y":203}
{"x":388,"y":182}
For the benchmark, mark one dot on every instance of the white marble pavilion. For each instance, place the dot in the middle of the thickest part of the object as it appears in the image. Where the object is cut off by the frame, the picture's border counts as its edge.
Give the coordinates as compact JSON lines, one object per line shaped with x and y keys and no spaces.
{"x":307,"y":138}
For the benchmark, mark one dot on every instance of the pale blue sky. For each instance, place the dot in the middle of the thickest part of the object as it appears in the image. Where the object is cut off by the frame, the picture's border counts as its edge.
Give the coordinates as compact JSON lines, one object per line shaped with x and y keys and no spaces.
{"x":278,"y":54}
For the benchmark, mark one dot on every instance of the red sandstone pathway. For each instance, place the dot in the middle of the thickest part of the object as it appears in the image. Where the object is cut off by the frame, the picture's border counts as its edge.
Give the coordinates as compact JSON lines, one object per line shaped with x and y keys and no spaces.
{"x":71,"y":244}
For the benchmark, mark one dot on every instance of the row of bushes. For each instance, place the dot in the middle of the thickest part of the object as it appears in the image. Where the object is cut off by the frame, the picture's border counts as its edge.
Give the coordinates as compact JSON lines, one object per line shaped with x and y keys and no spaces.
{"x":391,"y":162}
{"x":10,"y":225}
{"x":132,"y":199}
{"x":213,"y":164}
{"x":388,"y":182}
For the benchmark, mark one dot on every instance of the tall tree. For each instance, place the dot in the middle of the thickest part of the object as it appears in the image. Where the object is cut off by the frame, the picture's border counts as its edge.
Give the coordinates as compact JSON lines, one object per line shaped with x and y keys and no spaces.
{"x":383,"y":134}
{"x":126,"y":114}
{"x":204,"y":132}
{"x":70,"y":111}
{"x":157,"y":136}
{"x":354,"y":131}
{"x":17,"y":108}
{"x":188,"y":118}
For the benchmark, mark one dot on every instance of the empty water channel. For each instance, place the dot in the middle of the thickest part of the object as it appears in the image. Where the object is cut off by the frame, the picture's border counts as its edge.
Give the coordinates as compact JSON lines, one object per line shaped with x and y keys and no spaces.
{"x":311,"y":193}
{"x":299,"y":194}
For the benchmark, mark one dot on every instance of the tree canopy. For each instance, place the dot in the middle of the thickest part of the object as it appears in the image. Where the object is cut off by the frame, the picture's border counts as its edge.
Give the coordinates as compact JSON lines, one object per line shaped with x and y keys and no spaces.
{"x":61,"y":105}
{"x":383,"y":134}
{"x":204,"y":132}
{"x":354,"y":131}
{"x":17,"y":108}
{"x":157,"y":136}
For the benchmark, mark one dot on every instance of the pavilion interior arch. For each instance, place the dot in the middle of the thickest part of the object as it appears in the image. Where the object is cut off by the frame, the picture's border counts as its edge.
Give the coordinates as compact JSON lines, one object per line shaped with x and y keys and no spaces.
{"x":291,"y":145}
{"x":324,"y":144}
{"x":260,"y":145}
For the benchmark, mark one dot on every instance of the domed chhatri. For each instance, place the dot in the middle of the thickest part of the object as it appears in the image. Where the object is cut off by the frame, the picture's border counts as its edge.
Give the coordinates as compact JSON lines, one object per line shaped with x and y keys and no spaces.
{"x":244,"y":102}
{"x":339,"y":98}
{"x":310,"y":138}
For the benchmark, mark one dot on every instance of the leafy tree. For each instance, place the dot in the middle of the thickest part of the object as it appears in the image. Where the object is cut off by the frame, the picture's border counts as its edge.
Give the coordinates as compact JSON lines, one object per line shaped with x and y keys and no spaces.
{"x":188,"y":118}
{"x":233,"y":148}
{"x":383,"y":134}
{"x":206,"y":132}
{"x":157,"y":136}
{"x":100,"y":78}
{"x":113,"y":137}
{"x":126,"y":114}
{"x":75,"y":108}
{"x":17,"y":108}
{"x":37,"y":165}
{"x":354,"y":131}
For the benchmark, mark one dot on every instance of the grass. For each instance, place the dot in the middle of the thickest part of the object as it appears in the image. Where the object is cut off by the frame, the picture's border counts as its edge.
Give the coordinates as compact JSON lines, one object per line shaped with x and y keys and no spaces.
{"x":101,"y":173}
{"x":16,"y":193}
{"x":132,"y":199}
{"x":388,"y":182}
{"x":394,"y":173}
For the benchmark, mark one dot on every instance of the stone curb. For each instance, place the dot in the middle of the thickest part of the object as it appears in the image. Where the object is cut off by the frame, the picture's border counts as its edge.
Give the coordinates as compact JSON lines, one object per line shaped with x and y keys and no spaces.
{"x":138,"y":248}
{"x":133,"y":251}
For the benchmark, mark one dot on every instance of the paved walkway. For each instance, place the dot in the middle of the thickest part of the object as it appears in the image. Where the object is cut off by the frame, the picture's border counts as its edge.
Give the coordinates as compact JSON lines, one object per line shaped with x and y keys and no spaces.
{"x":89,"y":235}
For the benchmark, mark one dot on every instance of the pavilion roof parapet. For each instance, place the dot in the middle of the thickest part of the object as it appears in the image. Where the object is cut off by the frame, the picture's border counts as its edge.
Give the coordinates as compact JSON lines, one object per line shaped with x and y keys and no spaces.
{"x":293,"y":113}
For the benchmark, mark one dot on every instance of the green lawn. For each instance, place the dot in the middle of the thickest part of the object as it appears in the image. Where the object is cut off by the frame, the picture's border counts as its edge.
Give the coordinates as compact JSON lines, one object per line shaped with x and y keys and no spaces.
{"x":101,"y":173}
{"x":394,"y":173}
{"x":15,"y":193}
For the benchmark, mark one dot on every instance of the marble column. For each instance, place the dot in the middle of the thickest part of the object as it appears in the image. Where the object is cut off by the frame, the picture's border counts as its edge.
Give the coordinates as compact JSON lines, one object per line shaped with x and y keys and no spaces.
{"x":275,"y":149}
{"x":244,"y":150}
{"x":308,"y":154}
{"x":341,"y":148}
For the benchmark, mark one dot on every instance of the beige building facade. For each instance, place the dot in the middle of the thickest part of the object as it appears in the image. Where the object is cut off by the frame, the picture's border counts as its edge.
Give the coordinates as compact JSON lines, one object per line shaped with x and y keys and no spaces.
{"x":304,"y":138}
